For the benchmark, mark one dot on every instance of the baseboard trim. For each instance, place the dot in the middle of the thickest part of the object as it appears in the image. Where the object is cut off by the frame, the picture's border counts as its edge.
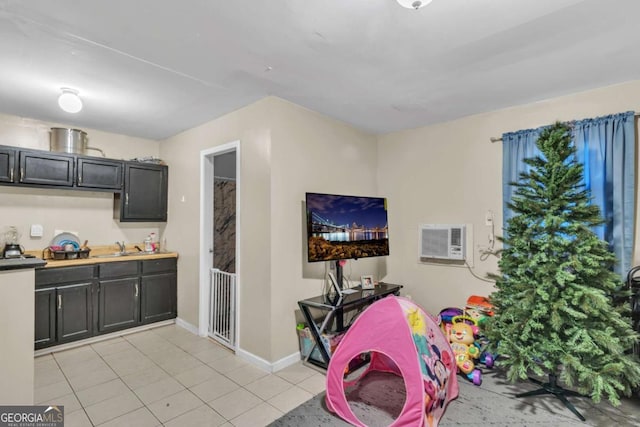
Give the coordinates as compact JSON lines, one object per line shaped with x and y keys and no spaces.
{"x":266,"y":365}
{"x":254,"y":360}
{"x":93,"y":340}
{"x":186,"y":325}
{"x":243,"y":354}
{"x":286,"y":361}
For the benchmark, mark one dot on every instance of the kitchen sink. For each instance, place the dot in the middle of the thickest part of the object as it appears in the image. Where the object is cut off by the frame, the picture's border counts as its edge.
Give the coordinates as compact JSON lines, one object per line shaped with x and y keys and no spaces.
{"x":128,"y":253}
{"x":115,"y":254}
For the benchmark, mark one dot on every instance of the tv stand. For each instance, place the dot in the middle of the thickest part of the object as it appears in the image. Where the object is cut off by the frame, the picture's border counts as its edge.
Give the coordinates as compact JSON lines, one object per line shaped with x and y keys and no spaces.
{"x":339,"y":275}
{"x":325,"y":315}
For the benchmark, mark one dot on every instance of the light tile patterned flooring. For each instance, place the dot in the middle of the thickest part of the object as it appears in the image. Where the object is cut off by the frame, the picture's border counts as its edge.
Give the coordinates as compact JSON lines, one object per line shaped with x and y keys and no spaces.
{"x":167,"y":376}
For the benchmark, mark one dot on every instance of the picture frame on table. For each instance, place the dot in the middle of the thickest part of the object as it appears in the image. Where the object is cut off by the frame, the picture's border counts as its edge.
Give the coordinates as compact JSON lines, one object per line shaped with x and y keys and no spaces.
{"x":367,"y":282}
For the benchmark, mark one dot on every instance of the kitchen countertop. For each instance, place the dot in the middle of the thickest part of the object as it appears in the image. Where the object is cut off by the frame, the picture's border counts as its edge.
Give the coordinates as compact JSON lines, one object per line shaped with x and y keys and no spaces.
{"x":100,"y":254}
{"x":20,"y":263}
{"x":96,"y":260}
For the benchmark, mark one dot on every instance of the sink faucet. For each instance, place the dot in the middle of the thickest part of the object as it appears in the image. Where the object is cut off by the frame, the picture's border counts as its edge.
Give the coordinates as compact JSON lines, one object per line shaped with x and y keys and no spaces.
{"x":121,"y":246}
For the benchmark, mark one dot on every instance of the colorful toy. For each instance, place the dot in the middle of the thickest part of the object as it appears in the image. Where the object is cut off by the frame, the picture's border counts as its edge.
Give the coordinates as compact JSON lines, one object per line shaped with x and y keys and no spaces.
{"x":479,"y":308}
{"x":463,"y":329}
{"x":445,"y":318}
{"x":462,"y":337}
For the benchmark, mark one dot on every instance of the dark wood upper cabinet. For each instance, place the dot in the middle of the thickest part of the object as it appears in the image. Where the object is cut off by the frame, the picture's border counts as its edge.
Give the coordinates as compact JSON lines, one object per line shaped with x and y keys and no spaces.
{"x":99,"y":173}
{"x":140,"y":189}
{"x":7,"y":164}
{"x":44,"y":168}
{"x":144,"y":197}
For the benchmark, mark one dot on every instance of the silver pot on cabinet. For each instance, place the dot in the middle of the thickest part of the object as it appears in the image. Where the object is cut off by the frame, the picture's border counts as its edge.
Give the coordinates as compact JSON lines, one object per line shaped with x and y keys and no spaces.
{"x":73,"y":141}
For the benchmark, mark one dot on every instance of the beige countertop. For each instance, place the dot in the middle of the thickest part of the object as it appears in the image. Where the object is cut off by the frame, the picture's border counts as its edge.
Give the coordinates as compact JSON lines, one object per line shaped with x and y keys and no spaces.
{"x":100,"y":254}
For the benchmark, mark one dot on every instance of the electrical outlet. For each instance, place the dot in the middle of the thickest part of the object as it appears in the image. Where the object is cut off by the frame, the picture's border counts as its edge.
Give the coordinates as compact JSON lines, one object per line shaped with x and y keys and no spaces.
{"x":488,"y":218}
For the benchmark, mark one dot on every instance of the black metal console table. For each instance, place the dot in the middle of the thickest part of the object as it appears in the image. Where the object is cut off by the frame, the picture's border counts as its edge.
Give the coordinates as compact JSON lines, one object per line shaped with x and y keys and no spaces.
{"x":327,"y":313}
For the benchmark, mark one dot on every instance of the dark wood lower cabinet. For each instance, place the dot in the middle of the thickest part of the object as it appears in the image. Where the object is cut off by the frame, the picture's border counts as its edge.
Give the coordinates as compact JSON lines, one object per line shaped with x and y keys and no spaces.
{"x":158,"y":297}
{"x":118,"y":302}
{"x":63,"y":314}
{"x":45,"y":333}
{"x":74,"y":312}
{"x":73,"y":303}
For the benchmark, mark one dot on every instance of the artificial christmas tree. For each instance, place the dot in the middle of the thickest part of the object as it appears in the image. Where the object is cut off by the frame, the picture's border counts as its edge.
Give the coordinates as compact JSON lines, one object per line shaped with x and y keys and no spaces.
{"x":560,"y":310}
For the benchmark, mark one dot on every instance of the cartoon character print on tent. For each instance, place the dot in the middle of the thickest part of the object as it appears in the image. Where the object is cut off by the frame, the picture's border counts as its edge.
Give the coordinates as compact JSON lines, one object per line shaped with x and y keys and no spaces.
{"x":405,"y":341}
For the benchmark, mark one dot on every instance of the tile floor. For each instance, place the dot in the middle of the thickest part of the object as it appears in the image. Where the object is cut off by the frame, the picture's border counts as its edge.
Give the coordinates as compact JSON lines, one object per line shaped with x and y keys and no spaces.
{"x":167,"y":376}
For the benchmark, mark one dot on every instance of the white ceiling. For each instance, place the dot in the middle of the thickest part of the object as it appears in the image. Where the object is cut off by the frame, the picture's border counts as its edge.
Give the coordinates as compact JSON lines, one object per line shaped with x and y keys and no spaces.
{"x":152,"y":68}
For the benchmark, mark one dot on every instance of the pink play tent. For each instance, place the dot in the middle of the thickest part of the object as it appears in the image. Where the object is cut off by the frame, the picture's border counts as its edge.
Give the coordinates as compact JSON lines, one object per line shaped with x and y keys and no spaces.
{"x":402,"y":339}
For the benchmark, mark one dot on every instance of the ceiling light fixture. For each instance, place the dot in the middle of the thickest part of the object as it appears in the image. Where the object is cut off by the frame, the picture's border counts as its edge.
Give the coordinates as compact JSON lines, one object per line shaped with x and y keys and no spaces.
{"x":69,"y":100}
{"x":413,"y":4}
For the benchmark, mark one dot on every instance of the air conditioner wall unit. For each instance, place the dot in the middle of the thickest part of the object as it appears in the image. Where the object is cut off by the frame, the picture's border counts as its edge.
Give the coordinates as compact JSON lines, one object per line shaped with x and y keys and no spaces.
{"x":443,"y":241}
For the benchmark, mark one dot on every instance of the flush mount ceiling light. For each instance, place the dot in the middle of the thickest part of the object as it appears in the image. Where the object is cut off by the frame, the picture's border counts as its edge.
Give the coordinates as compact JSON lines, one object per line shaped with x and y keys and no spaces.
{"x":413,"y":4}
{"x":69,"y":100}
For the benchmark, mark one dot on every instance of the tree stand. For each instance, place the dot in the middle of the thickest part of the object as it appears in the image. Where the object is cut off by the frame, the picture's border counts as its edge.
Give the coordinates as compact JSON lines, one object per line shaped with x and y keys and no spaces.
{"x":552,"y":387}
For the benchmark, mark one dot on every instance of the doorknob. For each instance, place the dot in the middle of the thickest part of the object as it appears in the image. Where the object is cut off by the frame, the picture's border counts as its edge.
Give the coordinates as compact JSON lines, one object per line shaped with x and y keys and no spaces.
{"x":210,"y":250}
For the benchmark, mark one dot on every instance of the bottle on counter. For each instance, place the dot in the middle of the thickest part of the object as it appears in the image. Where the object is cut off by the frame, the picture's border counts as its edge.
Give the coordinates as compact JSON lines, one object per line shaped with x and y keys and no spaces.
{"x":154,"y":244}
{"x":148,"y":246}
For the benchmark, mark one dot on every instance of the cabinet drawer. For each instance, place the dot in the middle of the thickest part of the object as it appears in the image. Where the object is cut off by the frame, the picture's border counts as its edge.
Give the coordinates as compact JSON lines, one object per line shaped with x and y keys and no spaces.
{"x":158,"y":265}
{"x":118,"y":269}
{"x":55,"y":276}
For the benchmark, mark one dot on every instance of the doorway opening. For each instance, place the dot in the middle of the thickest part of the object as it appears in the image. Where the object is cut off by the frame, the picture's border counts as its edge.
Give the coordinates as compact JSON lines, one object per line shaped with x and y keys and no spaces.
{"x":219,"y":244}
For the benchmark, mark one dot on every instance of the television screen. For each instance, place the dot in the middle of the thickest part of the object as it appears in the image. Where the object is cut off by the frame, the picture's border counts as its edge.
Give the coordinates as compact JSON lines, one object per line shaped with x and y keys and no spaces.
{"x":346,"y":227}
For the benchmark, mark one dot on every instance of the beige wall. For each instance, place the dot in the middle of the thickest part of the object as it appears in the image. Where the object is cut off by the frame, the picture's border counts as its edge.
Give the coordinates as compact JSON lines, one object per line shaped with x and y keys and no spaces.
{"x":285,"y":150}
{"x":451,"y":173}
{"x":249,"y":125}
{"x":445,"y":173}
{"x":88,"y":213}
{"x":310,"y":153}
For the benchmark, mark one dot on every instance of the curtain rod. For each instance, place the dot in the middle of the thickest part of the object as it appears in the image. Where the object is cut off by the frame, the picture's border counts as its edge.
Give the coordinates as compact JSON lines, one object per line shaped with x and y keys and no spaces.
{"x":498,"y":139}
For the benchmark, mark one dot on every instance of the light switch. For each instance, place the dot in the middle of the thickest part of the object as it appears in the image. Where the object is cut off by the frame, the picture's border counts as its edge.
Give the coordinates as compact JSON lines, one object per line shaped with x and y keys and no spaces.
{"x":36,"y":230}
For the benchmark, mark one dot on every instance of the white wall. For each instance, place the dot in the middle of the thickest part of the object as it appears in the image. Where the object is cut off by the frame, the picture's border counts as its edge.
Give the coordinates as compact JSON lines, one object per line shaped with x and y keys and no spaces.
{"x":88,"y":213}
{"x":451,"y":173}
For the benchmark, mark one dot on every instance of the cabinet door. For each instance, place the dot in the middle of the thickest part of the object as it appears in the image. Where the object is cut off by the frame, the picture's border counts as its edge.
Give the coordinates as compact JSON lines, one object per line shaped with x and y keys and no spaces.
{"x":158,"y":297}
{"x":41,"y":167}
{"x":75,"y":312}
{"x":118,"y":304}
{"x":45,"y":321}
{"x":99,"y":173}
{"x":145,"y":193}
{"x":7,"y":164}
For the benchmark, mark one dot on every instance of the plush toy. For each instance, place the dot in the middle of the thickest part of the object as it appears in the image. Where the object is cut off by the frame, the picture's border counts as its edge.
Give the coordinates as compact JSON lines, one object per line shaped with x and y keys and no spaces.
{"x":462,"y":338}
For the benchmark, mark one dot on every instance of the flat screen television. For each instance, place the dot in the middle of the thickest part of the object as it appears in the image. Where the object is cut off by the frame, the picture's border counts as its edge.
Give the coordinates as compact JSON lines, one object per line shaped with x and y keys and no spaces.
{"x":346,"y":227}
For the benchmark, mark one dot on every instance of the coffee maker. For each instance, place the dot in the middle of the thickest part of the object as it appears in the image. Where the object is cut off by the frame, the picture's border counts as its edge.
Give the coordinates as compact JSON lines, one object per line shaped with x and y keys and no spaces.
{"x":12,"y":249}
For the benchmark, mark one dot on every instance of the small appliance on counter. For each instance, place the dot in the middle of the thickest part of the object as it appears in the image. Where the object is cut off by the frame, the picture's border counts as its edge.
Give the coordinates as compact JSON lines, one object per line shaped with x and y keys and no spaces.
{"x":12,"y":249}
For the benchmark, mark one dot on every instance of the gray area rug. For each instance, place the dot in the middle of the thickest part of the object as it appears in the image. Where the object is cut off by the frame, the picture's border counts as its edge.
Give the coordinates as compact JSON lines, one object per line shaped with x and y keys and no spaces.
{"x":379,"y":397}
